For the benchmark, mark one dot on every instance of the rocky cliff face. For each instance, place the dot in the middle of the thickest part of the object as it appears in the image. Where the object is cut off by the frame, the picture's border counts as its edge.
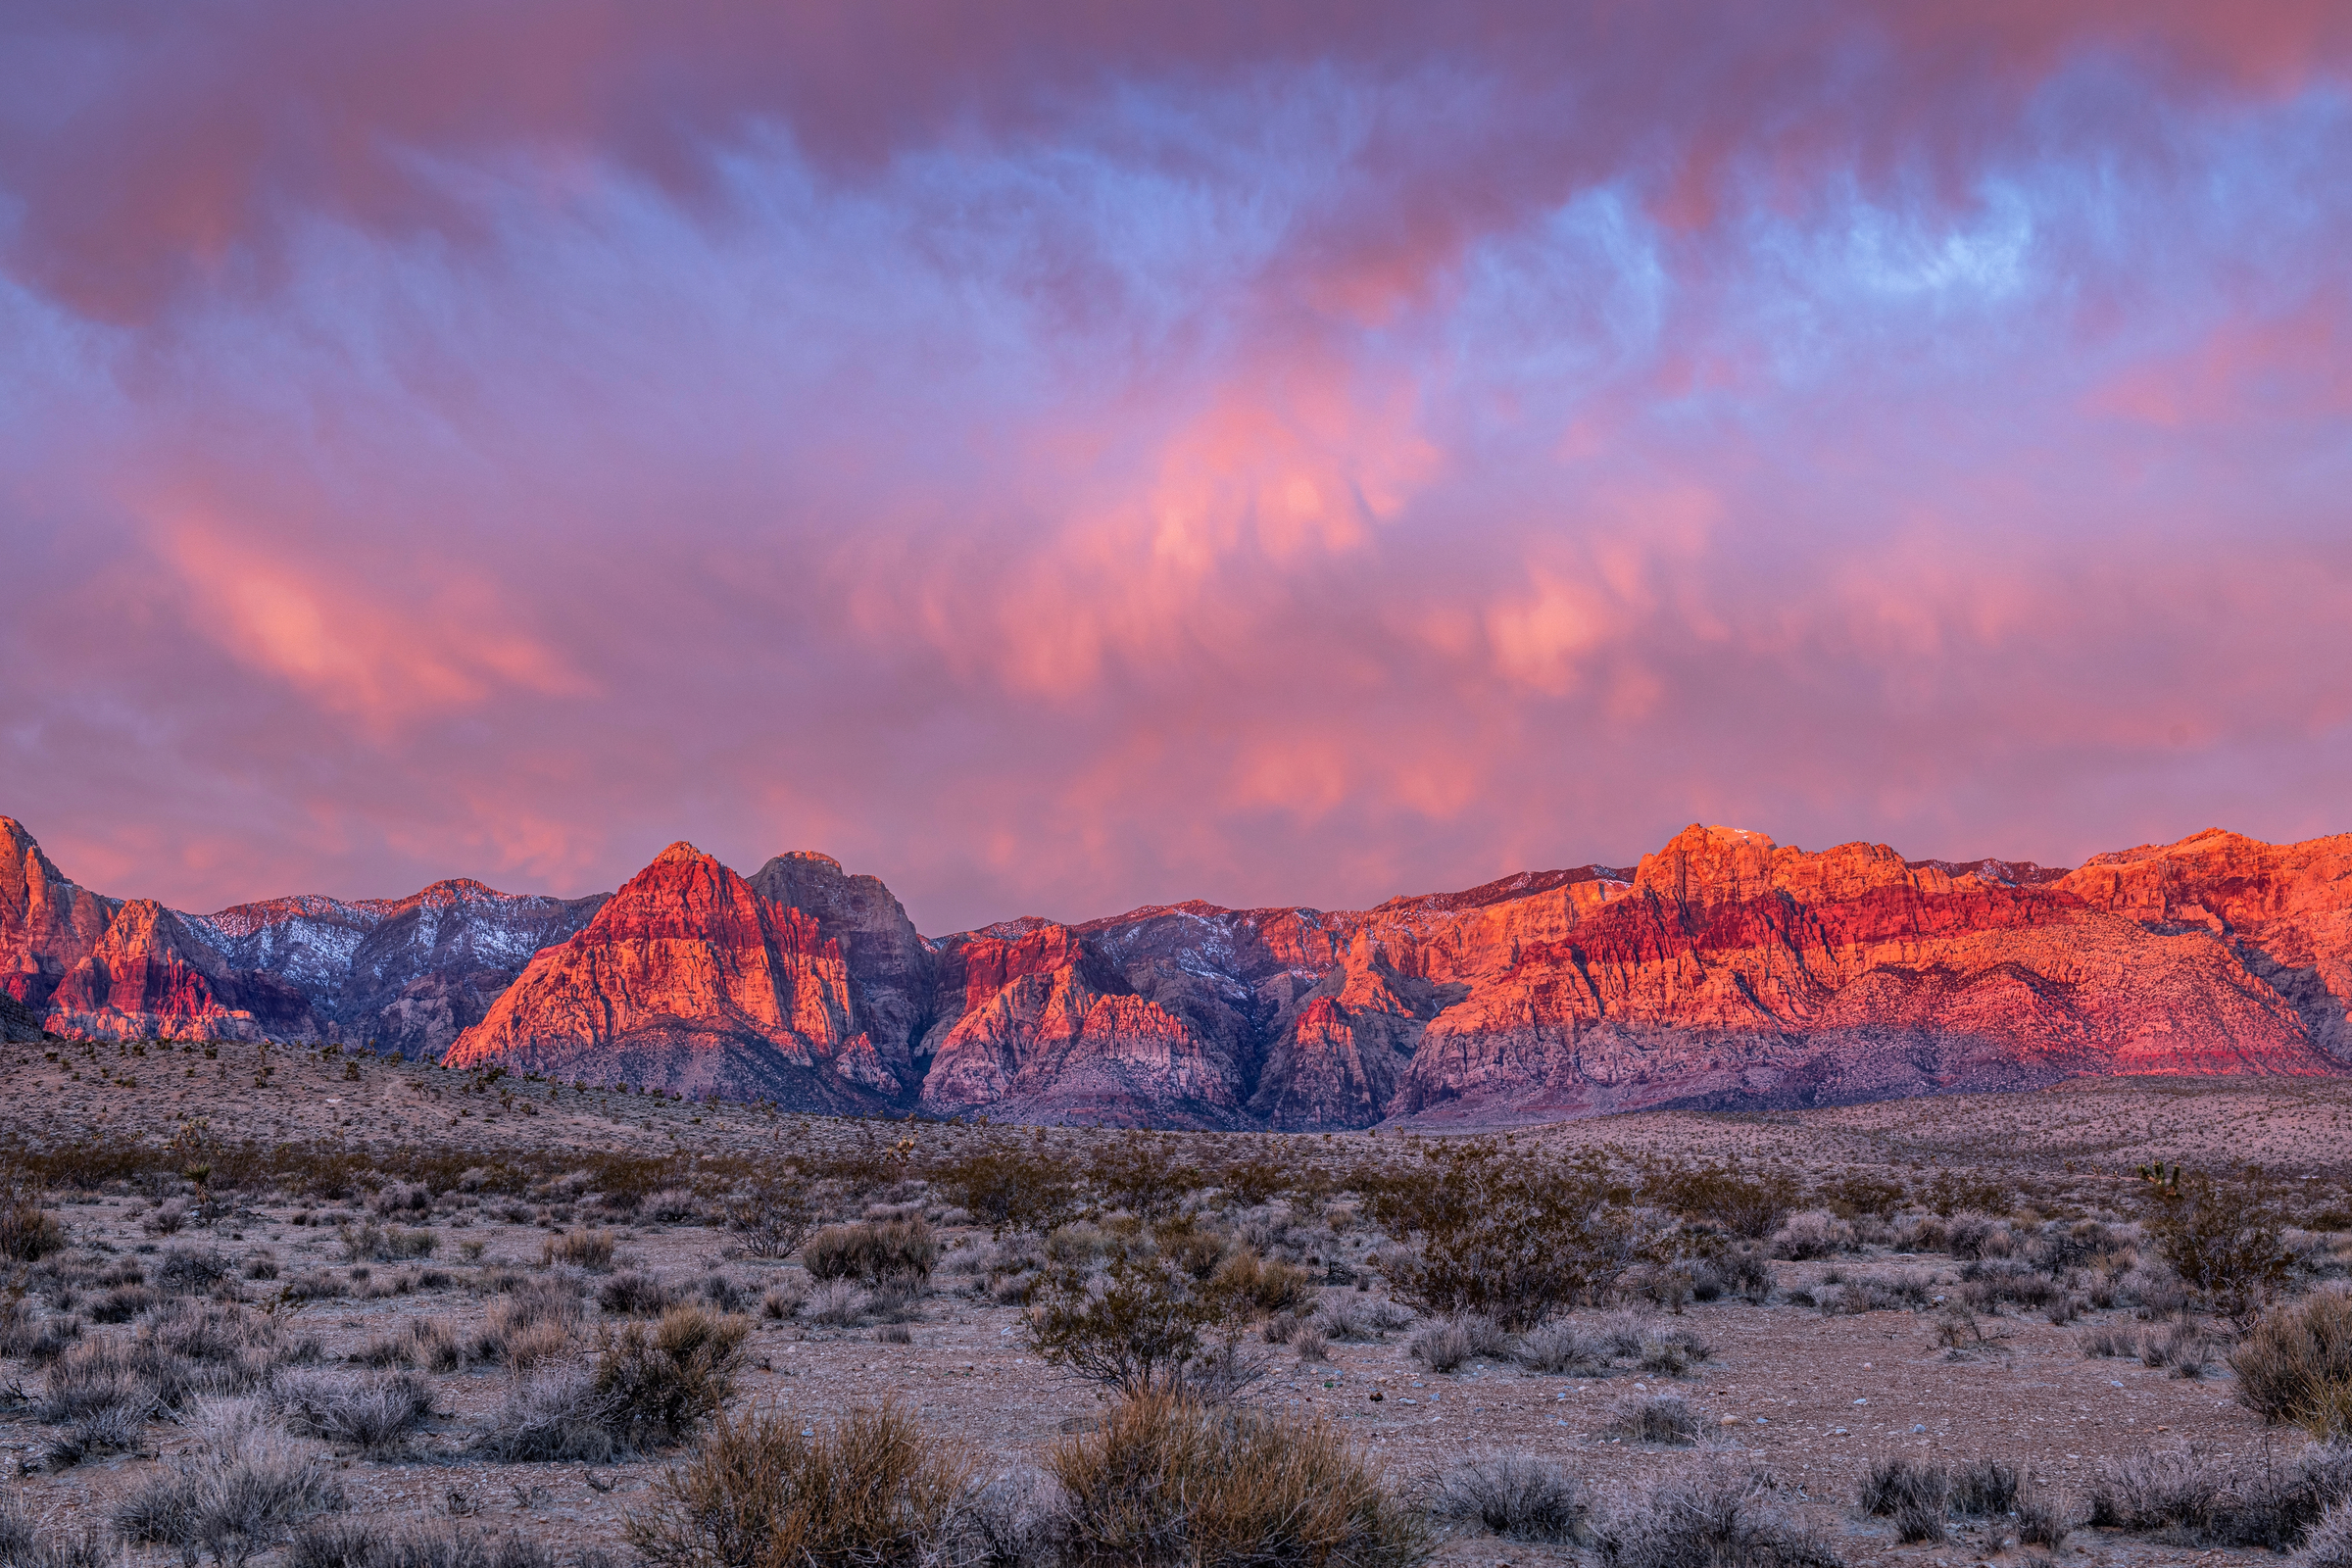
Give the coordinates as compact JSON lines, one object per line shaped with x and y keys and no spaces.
{"x":151,"y":976}
{"x":2283,"y":909}
{"x":894,"y":972}
{"x":1723,"y":970}
{"x":47,"y":923}
{"x":403,"y":973}
{"x":689,"y":980}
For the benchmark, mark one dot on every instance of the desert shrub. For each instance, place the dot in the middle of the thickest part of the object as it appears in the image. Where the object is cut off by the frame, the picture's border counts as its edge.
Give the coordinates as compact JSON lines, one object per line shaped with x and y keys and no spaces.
{"x":1010,"y":1189}
{"x":2331,"y":1542}
{"x":192,"y":1270}
{"x":1654,"y":1418}
{"x":123,"y":1304}
{"x":1672,"y":1353}
{"x":1812,"y":1233}
{"x":2109,"y":1341}
{"x":2220,"y":1236}
{"x":1307,"y":1342}
{"x":423,"y":1342}
{"x":2179,"y":1491}
{"x":22,"y":1544}
{"x":373,"y":1414}
{"x":2185,"y":1495}
{"x":1620,"y":1333}
{"x":1449,"y":1342}
{"x":1560,"y":1346}
{"x":371,"y":1242}
{"x":1167,"y":1480}
{"x":530,"y":1324}
{"x":771,"y":1218}
{"x":110,"y":1429}
{"x":837,"y":1303}
{"x":233,"y":1498}
{"x":1722,"y":1519}
{"x":1985,"y":1488}
{"x":1143,"y":1174}
{"x":1251,"y":1286}
{"x":104,"y":1374}
{"x":1513,"y":1496}
{"x":1356,"y":1318}
{"x":1442,"y":1346}
{"x":166,"y":1218}
{"x":396,"y":1198}
{"x":551,"y":1414}
{"x":1877,"y":1292}
{"x":1506,"y":1236}
{"x":874,"y":1492}
{"x":658,"y":1385}
{"x":2044,"y":1518}
{"x":1749,"y":1203}
{"x":636,"y":1294}
{"x":1893,"y":1484}
{"x":24,"y":1333}
{"x":579,"y":1248}
{"x":671,"y":1206}
{"x":2277,"y":1506}
{"x":884,"y":1253}
{"x":1855,"y":1195}
{"x":2295,"y":1357}
{"x":2185,"y":1349}
{"x":1140,"y":1327}
{"x":29,"y":1232}
{"x":1740,"y":1271}
{"x":351,"y":1543}
{"x":723,"y":1292}
{"x":212,"y":1331}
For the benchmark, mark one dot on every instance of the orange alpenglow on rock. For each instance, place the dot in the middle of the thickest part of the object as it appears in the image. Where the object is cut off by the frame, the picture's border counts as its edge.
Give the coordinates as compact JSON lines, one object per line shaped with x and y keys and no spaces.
{"x":1722,"y":972}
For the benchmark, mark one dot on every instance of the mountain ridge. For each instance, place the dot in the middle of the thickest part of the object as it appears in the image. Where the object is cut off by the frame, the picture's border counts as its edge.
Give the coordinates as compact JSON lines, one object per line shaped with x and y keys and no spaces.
{"x":1721,"y":971}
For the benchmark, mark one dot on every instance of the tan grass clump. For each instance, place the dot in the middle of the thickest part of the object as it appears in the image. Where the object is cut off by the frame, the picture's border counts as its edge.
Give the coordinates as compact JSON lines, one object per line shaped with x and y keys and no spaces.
{"x":874,"y":1491}
{"x":1169,"y":1479}
{"x":2296,"y":1365}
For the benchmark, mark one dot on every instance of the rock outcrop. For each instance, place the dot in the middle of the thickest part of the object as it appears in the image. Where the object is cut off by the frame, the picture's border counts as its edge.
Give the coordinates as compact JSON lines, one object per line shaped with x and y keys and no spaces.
{"x":688,"y":980}
{"x":2284,"y":909}
{"x":150,"y":975}
{"x":18,"y":1022}
{"x":894,"y":972}
{"x":1034,"y":1024}
{"x":48,"y":924}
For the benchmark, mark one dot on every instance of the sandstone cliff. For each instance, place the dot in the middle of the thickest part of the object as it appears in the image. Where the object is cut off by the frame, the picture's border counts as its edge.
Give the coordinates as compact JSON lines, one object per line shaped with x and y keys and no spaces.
{"x":47,"y":923}
{"x":150,"y":975}
{"x":688,"y":980}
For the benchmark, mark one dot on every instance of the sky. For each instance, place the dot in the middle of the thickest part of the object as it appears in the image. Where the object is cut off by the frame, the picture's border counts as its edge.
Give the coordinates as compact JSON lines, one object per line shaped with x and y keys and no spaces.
{"x":1059,"y":456}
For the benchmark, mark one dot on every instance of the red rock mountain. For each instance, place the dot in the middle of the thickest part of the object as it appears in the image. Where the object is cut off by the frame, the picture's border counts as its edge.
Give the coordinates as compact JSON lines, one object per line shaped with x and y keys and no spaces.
{"x":406,"y":973}
{"x":690,"y":980}
{"x":1724,"y":970}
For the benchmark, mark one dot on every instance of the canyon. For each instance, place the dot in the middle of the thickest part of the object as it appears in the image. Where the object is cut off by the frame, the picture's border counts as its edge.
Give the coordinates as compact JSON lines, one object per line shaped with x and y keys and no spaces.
{"x":1722,"y":972}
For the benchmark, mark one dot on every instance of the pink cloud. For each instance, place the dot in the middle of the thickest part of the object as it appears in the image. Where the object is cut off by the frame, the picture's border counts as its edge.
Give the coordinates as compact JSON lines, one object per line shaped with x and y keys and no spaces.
{"x":1082,"y":462}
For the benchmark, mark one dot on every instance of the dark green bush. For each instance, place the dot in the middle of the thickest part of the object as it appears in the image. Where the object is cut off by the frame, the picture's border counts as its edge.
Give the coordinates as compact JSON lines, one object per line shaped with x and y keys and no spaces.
{"x":1504,"y":1235}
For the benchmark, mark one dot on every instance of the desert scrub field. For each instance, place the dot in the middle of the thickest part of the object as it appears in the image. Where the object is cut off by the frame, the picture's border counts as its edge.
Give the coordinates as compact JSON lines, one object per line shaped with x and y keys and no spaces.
{"x":862,"y":1343}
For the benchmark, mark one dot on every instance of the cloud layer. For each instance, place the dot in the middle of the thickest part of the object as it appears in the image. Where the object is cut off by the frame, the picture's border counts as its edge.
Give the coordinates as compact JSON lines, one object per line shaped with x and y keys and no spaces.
{"x":1076,"y":461}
